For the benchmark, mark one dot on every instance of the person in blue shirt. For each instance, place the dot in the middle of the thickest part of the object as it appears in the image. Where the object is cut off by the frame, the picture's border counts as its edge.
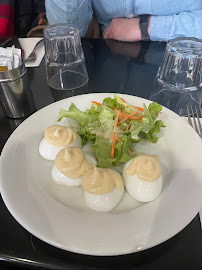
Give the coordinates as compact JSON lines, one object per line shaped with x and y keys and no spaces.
{"x":119,"y":19}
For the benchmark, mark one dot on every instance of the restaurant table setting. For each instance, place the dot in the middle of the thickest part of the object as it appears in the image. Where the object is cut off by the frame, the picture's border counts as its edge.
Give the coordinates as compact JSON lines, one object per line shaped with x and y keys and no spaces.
{"x":45,"y":225}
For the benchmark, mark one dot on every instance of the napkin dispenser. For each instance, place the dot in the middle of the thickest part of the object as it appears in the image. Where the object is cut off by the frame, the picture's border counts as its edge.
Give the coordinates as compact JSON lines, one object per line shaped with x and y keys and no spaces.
{"x":16,"y":97}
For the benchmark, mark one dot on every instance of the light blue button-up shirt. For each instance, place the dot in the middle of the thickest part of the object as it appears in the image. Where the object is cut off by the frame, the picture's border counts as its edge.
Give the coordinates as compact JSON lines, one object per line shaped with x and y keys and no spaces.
{"x":169,"y":18}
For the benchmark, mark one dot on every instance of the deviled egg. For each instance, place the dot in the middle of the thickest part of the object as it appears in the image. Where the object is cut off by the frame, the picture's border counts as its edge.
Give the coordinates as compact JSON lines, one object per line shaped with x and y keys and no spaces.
{"x":57,"y":137}
{"x":70,"y":165}
{"x":142,"y":178}
{"x":103,"y":189}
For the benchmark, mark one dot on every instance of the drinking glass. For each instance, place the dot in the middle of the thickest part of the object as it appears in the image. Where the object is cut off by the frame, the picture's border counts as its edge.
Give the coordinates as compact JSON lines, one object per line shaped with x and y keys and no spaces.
{"x":64,"y":58}
{"x":178,"y":82}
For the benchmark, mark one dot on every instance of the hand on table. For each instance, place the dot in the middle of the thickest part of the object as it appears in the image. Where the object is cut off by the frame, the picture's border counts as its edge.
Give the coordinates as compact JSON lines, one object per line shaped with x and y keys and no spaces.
{"x":123,"y":29}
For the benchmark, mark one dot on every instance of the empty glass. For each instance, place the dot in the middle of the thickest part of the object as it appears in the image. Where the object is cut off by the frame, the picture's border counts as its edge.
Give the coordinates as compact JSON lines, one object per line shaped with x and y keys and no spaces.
{"x":64,"y":58}
{"x":179,"y":79}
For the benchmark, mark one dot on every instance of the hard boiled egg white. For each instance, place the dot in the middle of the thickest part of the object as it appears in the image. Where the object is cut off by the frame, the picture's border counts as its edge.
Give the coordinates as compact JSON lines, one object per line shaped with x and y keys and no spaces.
{"x":60,"y":178}
{"x":104,"y":202}
{"x":49,"y":151}
{"x":140,"y":190}
{"x":103,"y":189}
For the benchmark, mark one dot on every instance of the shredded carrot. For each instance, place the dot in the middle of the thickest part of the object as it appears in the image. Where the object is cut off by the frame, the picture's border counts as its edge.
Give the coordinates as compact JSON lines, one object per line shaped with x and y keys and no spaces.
{"x":136,"y":117}
{"x":114,"y":134}
{"x":139,"y":108}
{"x":121,"y":114}
{"x":126,"y":118}
{"x":123,"y":100}
{"x":97,"y":103}
{"x":140,"y":120}
{"x":118,"y":139}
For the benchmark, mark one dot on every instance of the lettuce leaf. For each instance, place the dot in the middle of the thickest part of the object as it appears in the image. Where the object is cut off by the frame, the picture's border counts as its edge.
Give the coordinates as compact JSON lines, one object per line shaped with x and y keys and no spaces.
{"x":148,"y":127}
{"x":97,"y":125}
{"x":152,"y":132}
{"x":123,"y":106}
{"x":106,"y":118}
{"x":110,"y":102}
{"x":154,"y":108}
{"x":119,"y":104}
{"x":74,"y":113}
{"x":102,"y":149}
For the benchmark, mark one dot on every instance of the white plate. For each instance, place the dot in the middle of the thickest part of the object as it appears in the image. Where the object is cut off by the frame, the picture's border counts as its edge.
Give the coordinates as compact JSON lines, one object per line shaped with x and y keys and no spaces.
{"x":57,"y":214}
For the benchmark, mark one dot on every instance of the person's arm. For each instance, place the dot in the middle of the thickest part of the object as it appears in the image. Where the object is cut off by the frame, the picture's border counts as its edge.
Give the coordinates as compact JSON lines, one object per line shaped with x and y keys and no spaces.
{"x":165,"y":7}
{"x":67,"y":11}
{"x":123,"y":29}
{"x":160,"y":28}
{"x":185,"y":24}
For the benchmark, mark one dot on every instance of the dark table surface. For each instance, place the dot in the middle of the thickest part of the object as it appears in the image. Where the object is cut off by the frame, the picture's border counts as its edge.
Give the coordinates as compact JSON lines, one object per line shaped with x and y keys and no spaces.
{"x":112,"y":67}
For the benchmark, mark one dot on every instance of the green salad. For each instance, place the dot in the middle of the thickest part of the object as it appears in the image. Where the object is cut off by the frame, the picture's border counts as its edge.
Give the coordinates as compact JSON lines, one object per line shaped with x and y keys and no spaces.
{"x":114,"y":126}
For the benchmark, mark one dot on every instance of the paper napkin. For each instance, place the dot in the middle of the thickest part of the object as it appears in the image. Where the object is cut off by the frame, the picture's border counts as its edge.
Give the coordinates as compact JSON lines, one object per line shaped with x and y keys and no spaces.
{"x":27,"y":45}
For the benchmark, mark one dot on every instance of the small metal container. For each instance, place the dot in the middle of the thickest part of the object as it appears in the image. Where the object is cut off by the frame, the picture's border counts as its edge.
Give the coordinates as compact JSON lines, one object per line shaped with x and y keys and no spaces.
{"x":16,"y":97}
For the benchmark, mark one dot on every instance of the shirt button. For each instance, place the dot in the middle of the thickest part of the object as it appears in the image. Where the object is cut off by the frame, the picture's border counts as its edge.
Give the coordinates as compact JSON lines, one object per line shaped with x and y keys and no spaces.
{"x":131,"y":16}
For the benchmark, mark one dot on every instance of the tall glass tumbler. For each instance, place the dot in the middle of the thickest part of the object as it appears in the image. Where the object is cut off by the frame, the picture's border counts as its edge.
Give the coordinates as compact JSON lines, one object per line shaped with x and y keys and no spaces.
{"x":64,"y":58}
{"x":178,"y":81}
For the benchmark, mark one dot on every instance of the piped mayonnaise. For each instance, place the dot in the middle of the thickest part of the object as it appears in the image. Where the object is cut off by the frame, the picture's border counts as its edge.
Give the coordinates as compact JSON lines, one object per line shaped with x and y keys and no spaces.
{"x":146,"y":167}
{"x":101,"y":181}
{"x":71,"y":162}
{"x":60,"y":136}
